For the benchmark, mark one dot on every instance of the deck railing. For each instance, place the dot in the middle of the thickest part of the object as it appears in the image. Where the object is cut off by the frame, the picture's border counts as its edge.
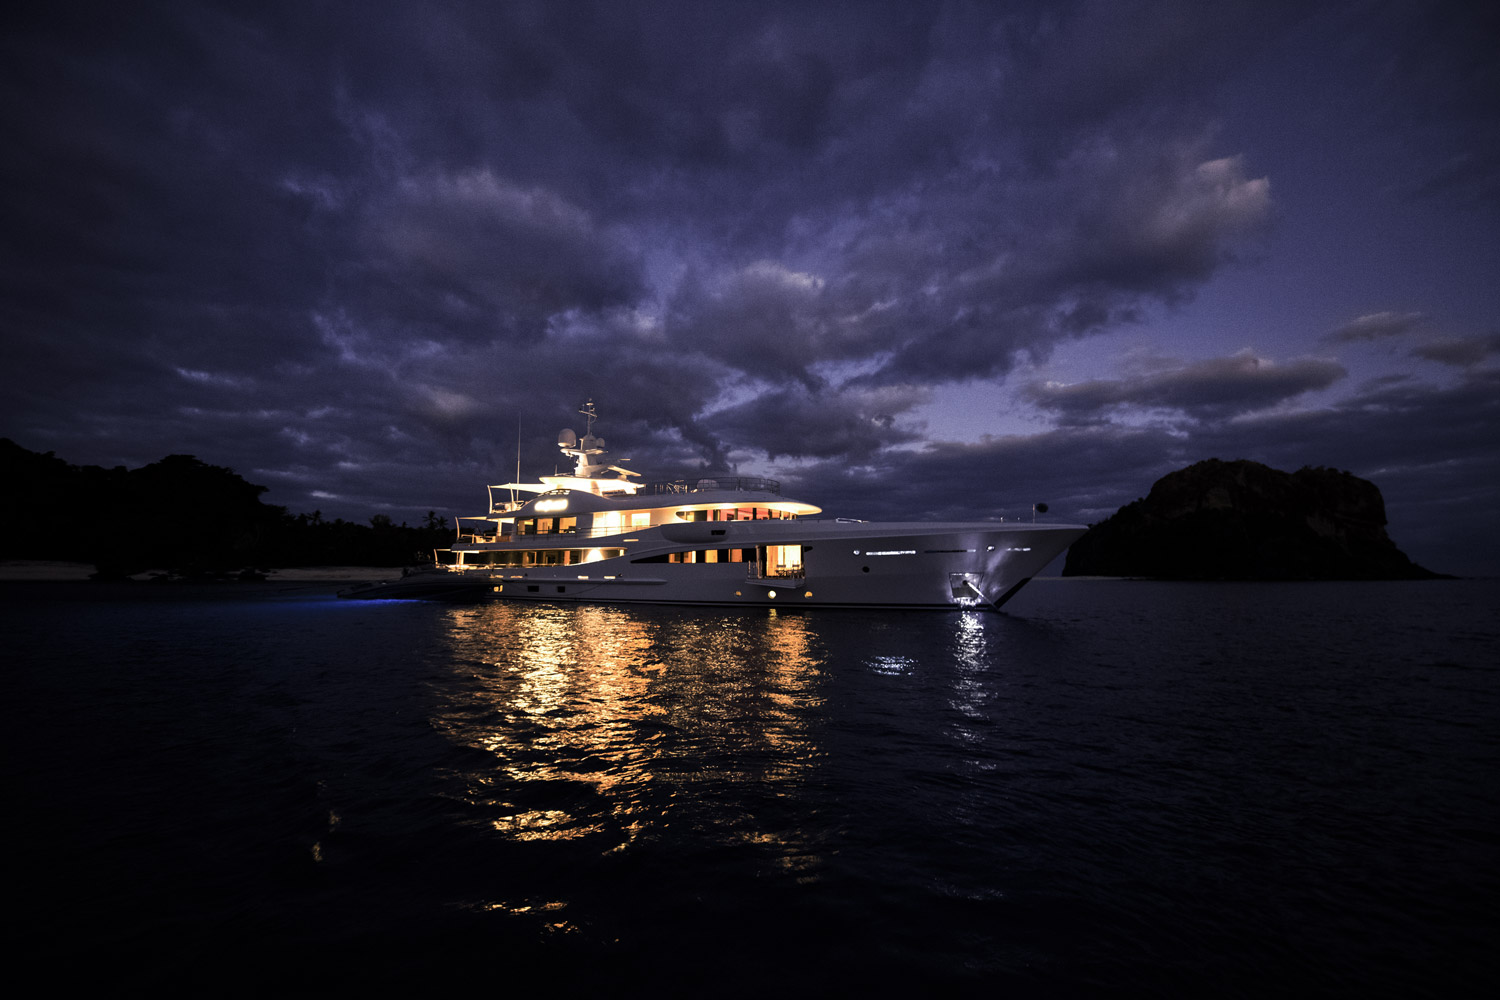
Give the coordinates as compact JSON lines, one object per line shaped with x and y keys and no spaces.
{"x":743,"y":484}
{"x":554,"y":536}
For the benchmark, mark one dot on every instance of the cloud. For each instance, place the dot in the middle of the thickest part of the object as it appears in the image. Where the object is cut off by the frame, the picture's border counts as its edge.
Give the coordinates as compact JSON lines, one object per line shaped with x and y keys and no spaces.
{"x":1429,"y":448}
{"x":1015,"y":265}
{"x":471,"y":253}
{"x":854,"y":423}
{"x":1469,"y":176}
{"x":1214,"y":388}
{"x":351,"y":254}
{"x":995,"y":477}
{"x":1090,"y":64}
{"x":1460,"y":352}
{"x":1376,"y":326}
{"x":762,"y":319}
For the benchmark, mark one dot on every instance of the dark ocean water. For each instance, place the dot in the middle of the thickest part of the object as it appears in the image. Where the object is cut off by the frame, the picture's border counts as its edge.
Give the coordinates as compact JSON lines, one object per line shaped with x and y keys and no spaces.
{"x":1113,"y":788}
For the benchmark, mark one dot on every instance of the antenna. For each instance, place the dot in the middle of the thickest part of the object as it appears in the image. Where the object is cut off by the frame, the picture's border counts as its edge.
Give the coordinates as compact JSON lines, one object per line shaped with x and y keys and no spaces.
{"x":518,"y":458}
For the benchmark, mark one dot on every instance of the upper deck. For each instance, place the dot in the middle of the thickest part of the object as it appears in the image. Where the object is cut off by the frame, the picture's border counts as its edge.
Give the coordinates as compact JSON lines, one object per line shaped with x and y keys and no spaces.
{"x":590,"y":503}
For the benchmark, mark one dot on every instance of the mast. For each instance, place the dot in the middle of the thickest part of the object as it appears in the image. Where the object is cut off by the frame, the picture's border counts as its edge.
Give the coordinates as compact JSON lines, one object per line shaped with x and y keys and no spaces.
{"x":518,"y":458}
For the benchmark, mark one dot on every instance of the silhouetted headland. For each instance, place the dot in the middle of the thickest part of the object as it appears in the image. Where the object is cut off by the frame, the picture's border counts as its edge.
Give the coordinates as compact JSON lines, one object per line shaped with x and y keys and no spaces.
{"x":185,"y":519}
{"x":1245,"y":521}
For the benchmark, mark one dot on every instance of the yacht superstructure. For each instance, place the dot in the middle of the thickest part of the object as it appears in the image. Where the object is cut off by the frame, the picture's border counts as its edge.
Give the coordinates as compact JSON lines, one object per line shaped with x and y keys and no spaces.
{"x":599,"y":535}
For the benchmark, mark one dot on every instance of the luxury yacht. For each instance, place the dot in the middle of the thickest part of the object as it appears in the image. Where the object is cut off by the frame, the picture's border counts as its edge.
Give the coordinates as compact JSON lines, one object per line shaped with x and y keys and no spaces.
{"x":599,"y":535}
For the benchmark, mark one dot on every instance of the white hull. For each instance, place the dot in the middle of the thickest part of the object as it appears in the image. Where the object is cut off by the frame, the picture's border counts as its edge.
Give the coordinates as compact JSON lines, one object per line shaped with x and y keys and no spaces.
{"x":897,"y":565}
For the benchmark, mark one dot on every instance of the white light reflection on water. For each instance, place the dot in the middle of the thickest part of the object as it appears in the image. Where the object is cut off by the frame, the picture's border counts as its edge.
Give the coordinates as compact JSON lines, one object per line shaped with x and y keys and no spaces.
{"x":616,"y":723}
{"x":891,"y":666}
{"x":972,"y":681}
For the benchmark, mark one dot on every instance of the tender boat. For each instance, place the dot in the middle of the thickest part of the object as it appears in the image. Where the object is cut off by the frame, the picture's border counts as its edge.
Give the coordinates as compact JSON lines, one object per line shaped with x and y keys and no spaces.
{"x":598,"y":535}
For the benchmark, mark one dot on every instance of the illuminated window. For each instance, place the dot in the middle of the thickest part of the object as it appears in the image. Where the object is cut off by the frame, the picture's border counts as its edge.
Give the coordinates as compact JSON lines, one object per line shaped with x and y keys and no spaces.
{"x":783,"y":560}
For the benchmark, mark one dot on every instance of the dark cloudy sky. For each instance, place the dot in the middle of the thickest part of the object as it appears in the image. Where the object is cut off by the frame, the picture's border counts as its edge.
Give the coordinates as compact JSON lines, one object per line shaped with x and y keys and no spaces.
{"x":913,"y":259}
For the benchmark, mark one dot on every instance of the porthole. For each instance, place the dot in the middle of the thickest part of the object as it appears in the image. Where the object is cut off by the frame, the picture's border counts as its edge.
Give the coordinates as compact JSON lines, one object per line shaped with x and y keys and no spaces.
{"x":864,"y":569}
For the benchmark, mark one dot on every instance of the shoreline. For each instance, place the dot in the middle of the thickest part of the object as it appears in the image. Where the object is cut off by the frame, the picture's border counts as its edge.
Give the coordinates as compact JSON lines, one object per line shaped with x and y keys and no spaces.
{"x":58,"y":571}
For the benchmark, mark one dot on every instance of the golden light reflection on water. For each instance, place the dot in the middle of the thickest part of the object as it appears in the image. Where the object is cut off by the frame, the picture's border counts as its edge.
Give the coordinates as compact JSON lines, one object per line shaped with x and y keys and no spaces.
{"x":614,"y":723}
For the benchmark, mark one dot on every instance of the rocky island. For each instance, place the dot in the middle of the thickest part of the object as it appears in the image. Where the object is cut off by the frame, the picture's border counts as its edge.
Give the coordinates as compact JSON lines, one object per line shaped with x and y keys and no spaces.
{"x":1245,"y":521}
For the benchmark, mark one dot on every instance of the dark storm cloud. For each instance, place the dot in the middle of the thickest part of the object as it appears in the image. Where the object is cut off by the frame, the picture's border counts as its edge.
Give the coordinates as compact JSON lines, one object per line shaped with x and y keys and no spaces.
{"x":1209,"y":389}
{"x":854,"y":424}
{"x":1030,"y":262}
{"x":763,"y":320}
{"x":345,"y":248}
{"x":474,"y":255}
{"x":1085,"y":64}
{"x":295,"y":196}
{"x":955,"y":283}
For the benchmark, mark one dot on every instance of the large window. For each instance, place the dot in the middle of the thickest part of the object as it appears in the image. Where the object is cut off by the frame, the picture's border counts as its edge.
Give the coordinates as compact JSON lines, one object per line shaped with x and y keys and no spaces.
{"x":532,"y":557}
{"x":783,"y":560}
{"x":735,"y":514}
{"x":547,"y":525}
{"x":698,"y":556}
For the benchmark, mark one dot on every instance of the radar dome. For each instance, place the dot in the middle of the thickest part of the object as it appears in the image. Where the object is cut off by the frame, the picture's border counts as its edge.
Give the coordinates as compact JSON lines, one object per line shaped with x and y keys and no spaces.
{"x":566,"y":438}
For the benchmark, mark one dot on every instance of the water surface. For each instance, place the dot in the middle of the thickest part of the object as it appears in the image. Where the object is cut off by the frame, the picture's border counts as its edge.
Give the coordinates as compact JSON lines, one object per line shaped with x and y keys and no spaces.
{"x":1113,"y":787}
